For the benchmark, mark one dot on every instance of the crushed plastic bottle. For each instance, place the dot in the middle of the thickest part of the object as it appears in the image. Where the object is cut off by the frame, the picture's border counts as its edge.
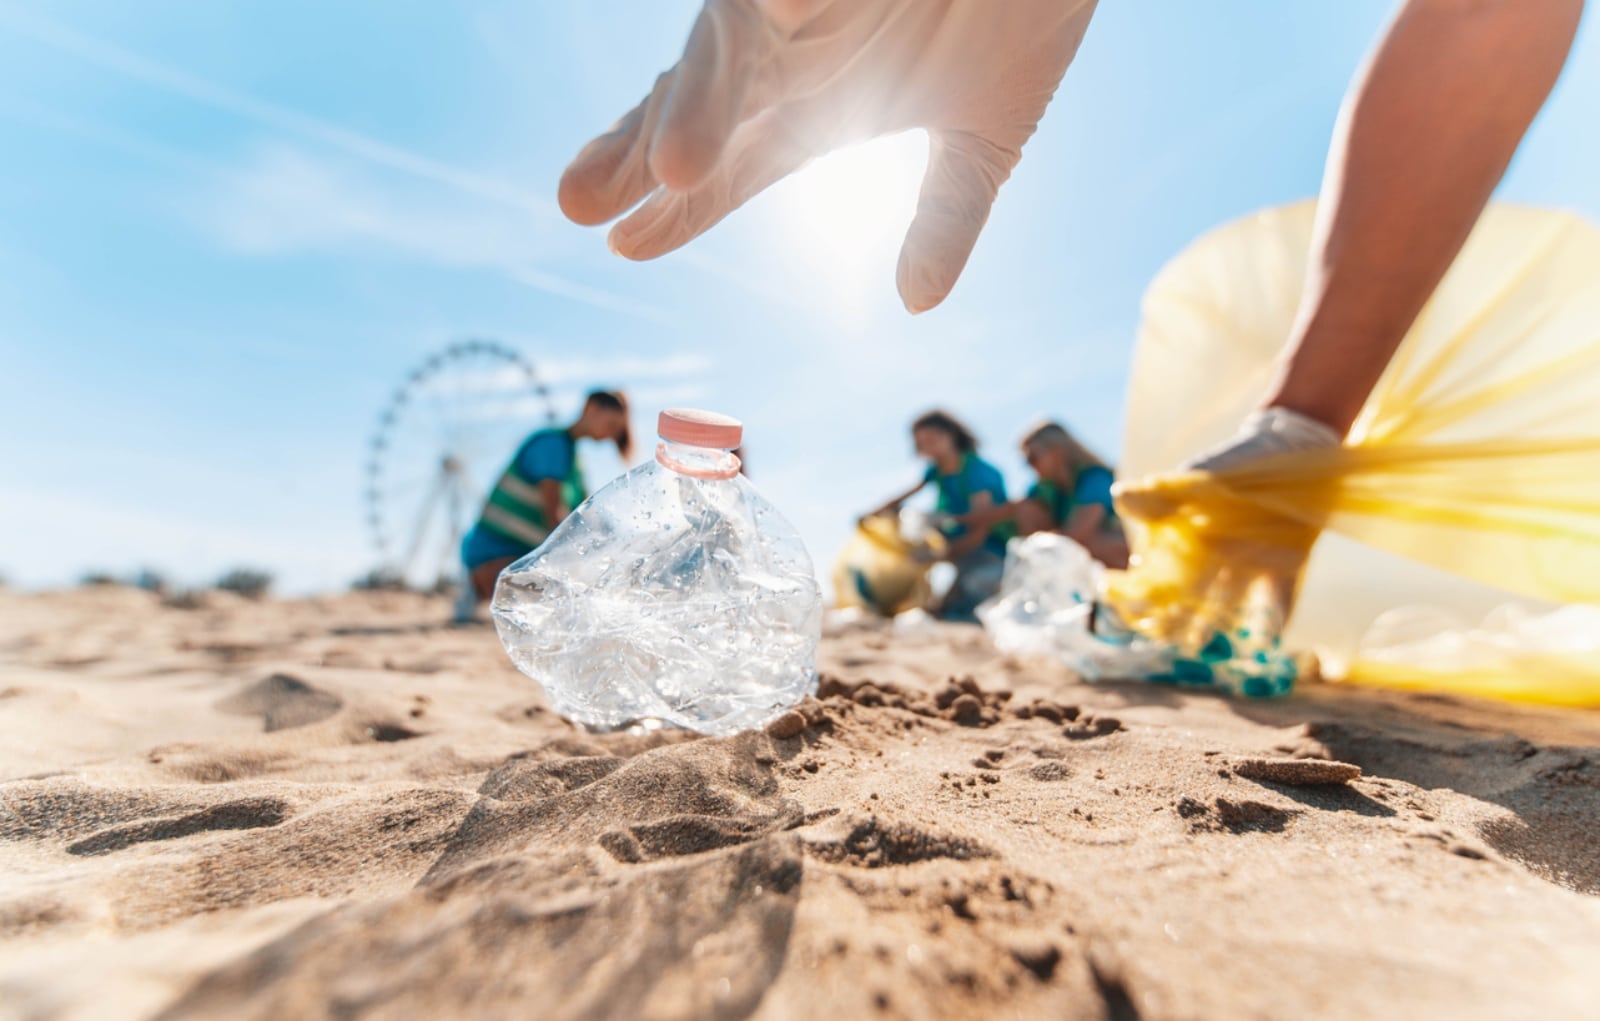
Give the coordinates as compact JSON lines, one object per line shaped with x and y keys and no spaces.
{"x":1051,"y":603}
{"x":675,"y":595}
{"x":1048,"y":605}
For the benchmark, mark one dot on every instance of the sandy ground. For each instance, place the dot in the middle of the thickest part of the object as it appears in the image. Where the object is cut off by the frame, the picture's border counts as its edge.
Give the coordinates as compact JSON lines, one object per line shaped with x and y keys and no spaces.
{"x":343,"y":808}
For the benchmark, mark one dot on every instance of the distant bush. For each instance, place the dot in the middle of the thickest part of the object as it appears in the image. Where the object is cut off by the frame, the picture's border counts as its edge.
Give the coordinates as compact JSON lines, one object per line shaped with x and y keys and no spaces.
{"x":446,"y":585}
{"x":185,"y":599}
{"x":151,"y":580}
{"x":95,"y":579}
{"x":246,"y":581}
{"x":379,"y":580}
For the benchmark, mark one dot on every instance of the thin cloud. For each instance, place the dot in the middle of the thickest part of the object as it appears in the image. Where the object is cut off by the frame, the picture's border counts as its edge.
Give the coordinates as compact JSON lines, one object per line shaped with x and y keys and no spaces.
{"x":269,"y":222}
{"x":651,"y":381}
{"x":563,"y":372}
{"x":667,"y":396}
{"x":25,"y":111}
{"x":532,"y":408}
{"x":759,"y":287}
{"x":110,"y":57}
{"x":564,"y":288}
{"x":118,"y":60}
{"x":627,"y":367}
{"x":286,"y":201}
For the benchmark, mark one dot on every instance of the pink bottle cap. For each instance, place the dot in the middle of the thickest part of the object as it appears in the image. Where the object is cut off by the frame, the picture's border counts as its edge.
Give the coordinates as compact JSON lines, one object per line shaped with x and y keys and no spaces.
{"x":698,"y":428}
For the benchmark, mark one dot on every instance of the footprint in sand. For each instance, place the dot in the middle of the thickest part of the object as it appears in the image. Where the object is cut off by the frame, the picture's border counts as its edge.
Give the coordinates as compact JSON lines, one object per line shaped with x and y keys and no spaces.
{"x":244,"y":814}
{"x":282,"y":702}
{"x":60,"y":808}
{"x":1232,"y":815}
{"x":561,"y":877}
{"x":561,"y":808}
{"x":871,"y":842}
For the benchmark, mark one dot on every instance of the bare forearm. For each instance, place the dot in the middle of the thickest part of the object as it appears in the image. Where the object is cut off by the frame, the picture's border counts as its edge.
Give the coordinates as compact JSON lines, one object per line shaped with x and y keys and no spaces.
{"x":893,"y":506}
{"x":964,"y":545}
{"x":985,"y":518}
{"x":1084,"y":523}
{"x":1427,"y":132}
{"x":555,"y":508}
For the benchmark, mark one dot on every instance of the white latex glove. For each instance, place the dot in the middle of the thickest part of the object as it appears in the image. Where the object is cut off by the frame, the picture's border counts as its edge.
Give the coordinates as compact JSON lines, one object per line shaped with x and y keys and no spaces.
{"x":766,"y":85}
{"x":1240,"y":579}
{"x":1265,"y":434}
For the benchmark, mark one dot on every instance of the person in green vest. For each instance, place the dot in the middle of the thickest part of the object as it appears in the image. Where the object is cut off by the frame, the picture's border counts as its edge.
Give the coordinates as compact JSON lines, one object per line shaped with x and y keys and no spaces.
{"x":539,"y":488}
{"x":1071,"y":496}
{"x":966,"y":483}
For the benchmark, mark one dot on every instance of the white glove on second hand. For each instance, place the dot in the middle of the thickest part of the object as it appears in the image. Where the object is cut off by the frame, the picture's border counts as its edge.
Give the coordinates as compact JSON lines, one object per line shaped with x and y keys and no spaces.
{"x":764,"y":86}
{"x":1266,"y":434}
{"x":1263,"y":434}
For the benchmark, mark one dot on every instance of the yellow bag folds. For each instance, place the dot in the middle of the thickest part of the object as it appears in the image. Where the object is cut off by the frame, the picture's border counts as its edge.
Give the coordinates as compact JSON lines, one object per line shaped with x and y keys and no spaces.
{"x":1478,"y":454}
{"x":876,"y":570}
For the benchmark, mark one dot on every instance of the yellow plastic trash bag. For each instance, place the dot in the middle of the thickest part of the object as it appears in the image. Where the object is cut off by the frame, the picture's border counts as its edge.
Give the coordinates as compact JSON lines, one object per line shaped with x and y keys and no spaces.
{"x":1425,"y":648}
{"x":876,"y":570}
{"x":1477,"y":455}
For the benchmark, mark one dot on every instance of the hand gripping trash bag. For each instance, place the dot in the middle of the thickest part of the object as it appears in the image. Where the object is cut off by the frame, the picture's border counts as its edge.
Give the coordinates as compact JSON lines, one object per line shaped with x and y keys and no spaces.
{"x":876,"y":570}
{"x":1476,"y":457}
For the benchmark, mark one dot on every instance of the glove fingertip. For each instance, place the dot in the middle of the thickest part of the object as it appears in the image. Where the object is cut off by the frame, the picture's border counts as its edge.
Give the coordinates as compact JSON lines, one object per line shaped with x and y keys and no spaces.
{"x":624,"y":244}
{"x":922,"y":286}
{"x":607,"y":176}
{"x":650,"y":232}
{"x":578,"y":199}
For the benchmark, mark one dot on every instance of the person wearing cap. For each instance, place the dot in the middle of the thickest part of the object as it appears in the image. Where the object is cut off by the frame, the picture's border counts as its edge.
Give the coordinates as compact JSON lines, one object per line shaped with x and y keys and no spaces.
{"x":539,"y":488}
{"x":1071,"y":496}
{"x":965,"y":484}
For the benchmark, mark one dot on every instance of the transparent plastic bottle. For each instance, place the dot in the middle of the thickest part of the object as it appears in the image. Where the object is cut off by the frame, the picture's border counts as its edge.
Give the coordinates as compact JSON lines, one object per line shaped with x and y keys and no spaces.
{"x":675,"y":595}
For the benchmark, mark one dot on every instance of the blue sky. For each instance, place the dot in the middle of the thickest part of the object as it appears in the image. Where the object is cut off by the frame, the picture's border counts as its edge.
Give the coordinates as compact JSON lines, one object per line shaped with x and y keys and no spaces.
{"x":228,"y":230}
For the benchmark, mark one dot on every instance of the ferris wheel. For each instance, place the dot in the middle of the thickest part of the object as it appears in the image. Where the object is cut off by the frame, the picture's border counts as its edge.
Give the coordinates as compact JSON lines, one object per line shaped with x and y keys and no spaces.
{"x":441,"y":437}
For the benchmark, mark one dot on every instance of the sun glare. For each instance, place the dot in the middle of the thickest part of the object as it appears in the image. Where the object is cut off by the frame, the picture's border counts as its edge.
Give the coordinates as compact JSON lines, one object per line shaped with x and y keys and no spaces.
{"x":842,"y":218}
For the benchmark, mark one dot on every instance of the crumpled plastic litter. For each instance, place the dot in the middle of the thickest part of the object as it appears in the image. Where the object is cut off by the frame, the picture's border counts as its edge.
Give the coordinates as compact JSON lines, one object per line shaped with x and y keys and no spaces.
{"x":1046,"y":607}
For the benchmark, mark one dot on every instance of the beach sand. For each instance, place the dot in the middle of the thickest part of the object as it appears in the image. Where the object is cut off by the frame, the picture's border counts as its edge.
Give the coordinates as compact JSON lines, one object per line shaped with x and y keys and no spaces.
{"x":342,"y":807}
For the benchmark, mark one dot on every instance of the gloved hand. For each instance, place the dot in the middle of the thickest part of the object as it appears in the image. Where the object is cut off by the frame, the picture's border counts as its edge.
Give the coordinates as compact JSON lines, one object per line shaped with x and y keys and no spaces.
{"x":941,"y":522}
{"x":766,"y":85}
{"x":1265,"y":434}
{"x":1211,"y":559}
{"x":924,"y":555}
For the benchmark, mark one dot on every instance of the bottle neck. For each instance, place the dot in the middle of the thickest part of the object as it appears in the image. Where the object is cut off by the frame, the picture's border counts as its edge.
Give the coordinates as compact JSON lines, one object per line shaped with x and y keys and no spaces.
{"x":697,"y":462}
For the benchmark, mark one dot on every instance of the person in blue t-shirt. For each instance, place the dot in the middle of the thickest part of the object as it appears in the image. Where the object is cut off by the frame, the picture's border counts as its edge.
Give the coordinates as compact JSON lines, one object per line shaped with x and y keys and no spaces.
{"x":539,"y":488}
{"x":1072,"y":496}
{"x":966,"y":483}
